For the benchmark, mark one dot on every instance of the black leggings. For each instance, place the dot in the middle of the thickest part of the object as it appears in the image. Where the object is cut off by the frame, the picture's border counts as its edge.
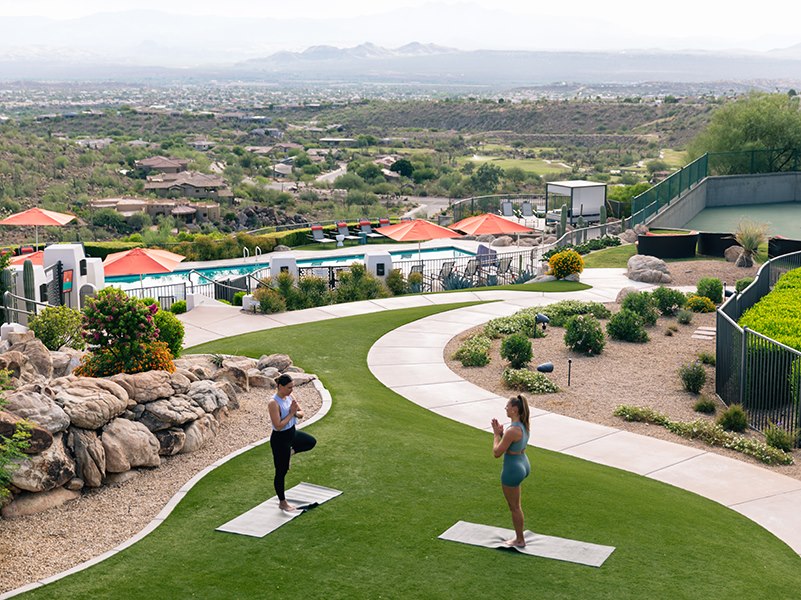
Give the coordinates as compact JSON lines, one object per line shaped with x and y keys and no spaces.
{"x":282,"y":443}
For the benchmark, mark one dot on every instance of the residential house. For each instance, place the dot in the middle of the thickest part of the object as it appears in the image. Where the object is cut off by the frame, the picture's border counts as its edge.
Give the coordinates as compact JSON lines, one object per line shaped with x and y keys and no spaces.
{"x":332,"y":141}
{"x":97,"y":144}
{"x":161,"y":164}
{"x":180,"y":208}
{"x":282,"y":171}
{"x":189,"y":184}
{"x":201,"y":145}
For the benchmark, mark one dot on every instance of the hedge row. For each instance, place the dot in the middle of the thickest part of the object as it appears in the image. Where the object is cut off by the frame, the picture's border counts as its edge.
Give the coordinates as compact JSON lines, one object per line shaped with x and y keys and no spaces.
{"x":778,"y":314}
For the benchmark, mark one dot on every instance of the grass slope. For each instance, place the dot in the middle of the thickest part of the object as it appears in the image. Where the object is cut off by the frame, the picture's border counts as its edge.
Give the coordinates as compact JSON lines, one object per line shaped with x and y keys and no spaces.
{"x":408,"y":475}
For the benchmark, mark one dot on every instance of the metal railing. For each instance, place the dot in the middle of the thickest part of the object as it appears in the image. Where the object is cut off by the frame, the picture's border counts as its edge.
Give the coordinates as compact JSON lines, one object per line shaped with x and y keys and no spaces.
{"x":12,"y":310}
{"x":651,"y":201}
{"x":753,"y":370}
{"x":492,"y":204}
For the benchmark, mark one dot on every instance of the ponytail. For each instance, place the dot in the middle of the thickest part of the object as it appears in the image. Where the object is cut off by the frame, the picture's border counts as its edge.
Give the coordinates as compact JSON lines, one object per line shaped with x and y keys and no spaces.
{"x":522,"y":409}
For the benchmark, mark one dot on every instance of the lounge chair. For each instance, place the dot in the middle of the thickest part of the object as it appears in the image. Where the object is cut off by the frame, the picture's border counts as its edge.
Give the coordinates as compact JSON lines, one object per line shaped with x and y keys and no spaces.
{"x":503,"y":270}
{"x":507,"y":209}
{"x":342,"y":229}
{"x":487,"y":257}
{"x":317,"y":235}
{"x":366,"y":228}
{"x":383,"y":222}
{"x":445,"y":271}
{"x":471,"y":271}
{"x":526,"y":210}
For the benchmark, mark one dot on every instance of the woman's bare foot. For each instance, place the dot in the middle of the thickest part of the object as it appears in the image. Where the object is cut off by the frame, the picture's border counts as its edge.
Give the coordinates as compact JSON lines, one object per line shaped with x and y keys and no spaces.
{"x":515,"y":543}
{"x":286,"y":506}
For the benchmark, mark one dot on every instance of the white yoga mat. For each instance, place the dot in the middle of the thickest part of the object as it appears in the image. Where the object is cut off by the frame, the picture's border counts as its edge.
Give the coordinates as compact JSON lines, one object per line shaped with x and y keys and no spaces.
{"x":544,"y":546}
{"x":267,"y":517}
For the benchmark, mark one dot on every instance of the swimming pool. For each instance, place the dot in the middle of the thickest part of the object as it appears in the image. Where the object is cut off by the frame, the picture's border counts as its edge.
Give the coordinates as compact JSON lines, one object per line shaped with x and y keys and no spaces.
{"x":216,"y":273}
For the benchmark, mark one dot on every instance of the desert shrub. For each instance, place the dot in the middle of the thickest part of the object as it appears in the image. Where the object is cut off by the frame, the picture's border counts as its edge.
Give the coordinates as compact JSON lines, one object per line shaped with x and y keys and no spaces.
{"x":565,"y":263}
{"x":707,"y":358}
{"x":358,"y":284}
{"x":583,"y":333}
{"x":237,"y":300}
{"x":711,"y":433}
{"x":693,"y":377}
{"x":734,"y":419}
{"x":668,"y":301}
{"x":642,"y":304}
{"x":58,"y":326}
{"x":474,"y":352}
{"x":560,"y":312}
{"x":685,"y":317}
{"x":517,"y":350}
{"x":312,"y":291}
{"x":171,"y":331}
{"x":528,"y":381}
{"x":700,"y":304}
{"x":270,"y":301}
{"x":626,"y":326}
{"x":705,"y":405}
{"x":152,"y":356}
{"x":743,"y":283}
{"x":415,"y":282}
{"x":178,"y":307}
{"x":778,"y":438}
{"x":284,"y":284}
{"x":668,"y":332}
{"x":396,"y":283}
{"x":523,"y":321}
{"x":710,"y":287}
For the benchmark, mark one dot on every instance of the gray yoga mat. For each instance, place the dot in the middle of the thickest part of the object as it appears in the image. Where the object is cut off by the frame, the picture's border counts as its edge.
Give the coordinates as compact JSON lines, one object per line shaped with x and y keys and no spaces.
{"x":544,"y":546}
{"x":267,"y":517}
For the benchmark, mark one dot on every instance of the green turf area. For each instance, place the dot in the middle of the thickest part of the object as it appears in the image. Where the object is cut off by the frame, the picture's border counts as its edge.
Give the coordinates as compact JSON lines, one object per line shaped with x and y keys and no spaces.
{"x":407,"y":475}
{"x":675,"y":159}
{"x":533,"y":165}
{"x":608,"y":258}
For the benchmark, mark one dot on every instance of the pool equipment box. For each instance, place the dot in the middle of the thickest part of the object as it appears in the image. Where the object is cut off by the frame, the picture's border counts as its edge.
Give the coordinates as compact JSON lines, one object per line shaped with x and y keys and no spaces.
{"x":378,"y":264}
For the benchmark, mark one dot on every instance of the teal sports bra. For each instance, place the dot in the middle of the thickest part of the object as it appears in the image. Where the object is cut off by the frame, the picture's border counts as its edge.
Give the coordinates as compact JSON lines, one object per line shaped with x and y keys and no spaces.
{"x":520,"y":444}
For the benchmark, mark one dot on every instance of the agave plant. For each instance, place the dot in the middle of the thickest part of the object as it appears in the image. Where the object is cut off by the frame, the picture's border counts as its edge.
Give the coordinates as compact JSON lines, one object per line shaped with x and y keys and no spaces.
{"x":750,"y":236}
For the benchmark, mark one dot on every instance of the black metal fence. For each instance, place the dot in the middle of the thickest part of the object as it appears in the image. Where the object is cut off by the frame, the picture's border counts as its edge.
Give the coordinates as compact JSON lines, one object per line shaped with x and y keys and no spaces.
{"x":494,"y":204}
{"x":761,"y":374}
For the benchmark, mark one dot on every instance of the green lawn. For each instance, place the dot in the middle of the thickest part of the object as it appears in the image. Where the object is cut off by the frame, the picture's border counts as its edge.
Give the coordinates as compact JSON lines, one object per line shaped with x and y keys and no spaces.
{"x":618,"y":257}
{"x":674,"y":158}
{"x":407,"y":475}
{"x":533,"y":165}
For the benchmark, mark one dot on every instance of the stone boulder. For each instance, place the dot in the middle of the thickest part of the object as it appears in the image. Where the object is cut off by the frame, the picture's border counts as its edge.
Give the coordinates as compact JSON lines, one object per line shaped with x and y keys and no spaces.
{"x":30,"y":504}
{"x":50,"y":469}
{"x":65,"y":360}
{"x":129,"y":444}
{"x":732,"y":253}
{"x":277,"y":361}
{"x":20,"y":337}
{"x":241,"y":362}
{"x":549,"y":239}
{"x":90,"y":456}
{"x":613,"y":227}
{"x":259,"y":379}
{"x":271,"y":372}
{"x":186,"y":373}
{"x":229,"y":391}
{"x":208,"y":396}
{"x":641,"y":229}
{"x":40,"y":438}
{"x":38,"y":356}
{"x":281,"y":248}
{"x":503,"y":241}
{"x":180,"y":382}
{"x":625,"y":292}
{"x":146,"y":386}
{"x":648,"y":269}
{"x":529,"y":241}
{"x":629,"y":236}
{"x":91,"y":403}
{"x":21,"y":370}
{"x":199,"y":433}
{"x":170,"y":412}
{"x":38,"y":408}
{"x":235,"y":375}
{"x":171,"y":440}
{"x":485,"y":238}
{"x":302,"y":378}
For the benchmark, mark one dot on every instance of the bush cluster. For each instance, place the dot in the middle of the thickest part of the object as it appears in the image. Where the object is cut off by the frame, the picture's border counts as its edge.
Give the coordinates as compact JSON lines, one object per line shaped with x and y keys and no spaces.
{"x":710,"y":287}
{"x":693,"y":377}
{"x":642,"y":304}
{"x":711,"y":433}
{"x":707,"y":358}
{"x":237,"y":299}
{"x":583,"y":333}
{"x":396,"y":283}
{"x":516,"y":348}
{"x":777,"y":437}
{"x":179,"y":307}
{"x":705,"y":405}
{"x":734,"y":419}
{"x":58,"y":326}
{"x":171,"y":331}
{"x":685,"y":317}
{"x":700,"y":304}
{"x":357,"y":284}
{"x":154,"y":356}
{"x":270,"y":300}
{"x":560,"y":312}
{"x":529,"y":381}
{"x":474,"y":351}
{"x":743,"y":283}
{"x":565,"y":263}
{"x":667,"y":300}
{"x":523,"y":321}
{"x":627,"y":326}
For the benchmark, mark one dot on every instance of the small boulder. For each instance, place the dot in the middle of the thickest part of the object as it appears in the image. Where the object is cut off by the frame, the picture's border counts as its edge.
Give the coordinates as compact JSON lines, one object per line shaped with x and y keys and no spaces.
{"x":90,"y":403}
{"x":50,"y":469}
{"x":171,"y":440}
{"x":625,"y":292}
{"x":37,"y":355}
{"x":146,"y":386}
{"x":236,"y":376}
{"x":229,"y":391}
{"x":31,"y":504}
{"x":242,"y":362}
{"x":21,"y":370}
{"x":648,"y":269}
{"x":208,"y":396}
{"x":257,"y":378}
{"x":613,"y":227}
{"x":169,"y":412}
{"x":39,"y":439}
{"x":277,"y":361}
{"x":485,"y":238}
{"x":732,"y":253}
{"x":90,"y":457}
{"x":503,"y":241}
{"x":302,"y":378}
{"x":129,"y":444}
{"x":38,"y":408}
{"x":65,"y":360}
{"x":629,"y":236}
{"x":199,"y":433}
{"x":180,"y":382}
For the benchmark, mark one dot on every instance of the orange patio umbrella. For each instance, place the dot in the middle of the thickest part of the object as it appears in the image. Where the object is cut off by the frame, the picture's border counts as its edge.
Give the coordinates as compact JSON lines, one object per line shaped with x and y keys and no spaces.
{"x":489,"y":223}
{"x":418,"y":230}
{"x":141,"y":261}
{"x":38,"y":217}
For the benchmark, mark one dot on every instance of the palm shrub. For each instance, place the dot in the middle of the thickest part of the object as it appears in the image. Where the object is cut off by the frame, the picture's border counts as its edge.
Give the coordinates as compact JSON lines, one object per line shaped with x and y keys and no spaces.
{"x":565,"y":263}
{"x":710,"y":287}
{"x":284,"y":284}
{"x":171,"y":331}
{"x":626,"y":326}
{"x":583,"y":333}
{"x":642,"y":304}
{"x":474,"y":351}
{"x":750,"y":236}
{"x":517,"y":350}
{"x":734,"y":419}
{"x":693,"y":377}
{"x":700,"y":304}
{"x":668,"y":301}
{"x":58,"y":326}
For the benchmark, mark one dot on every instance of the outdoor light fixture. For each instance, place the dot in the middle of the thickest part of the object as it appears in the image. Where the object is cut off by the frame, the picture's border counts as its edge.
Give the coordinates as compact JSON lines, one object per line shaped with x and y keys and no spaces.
{"x":545,"y":367}
{"x":727,"y":293}
{"x":541,"y":319}
{"x":569,"y":366}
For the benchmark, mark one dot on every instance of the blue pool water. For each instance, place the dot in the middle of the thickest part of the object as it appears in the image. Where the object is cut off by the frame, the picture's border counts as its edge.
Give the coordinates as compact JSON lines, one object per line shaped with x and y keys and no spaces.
{"x":179,"y":276}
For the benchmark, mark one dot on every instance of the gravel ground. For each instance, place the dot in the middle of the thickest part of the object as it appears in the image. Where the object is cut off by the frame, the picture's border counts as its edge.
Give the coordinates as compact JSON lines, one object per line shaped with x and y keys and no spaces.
{"x":42,"y":545}
{"x":626,"y":373}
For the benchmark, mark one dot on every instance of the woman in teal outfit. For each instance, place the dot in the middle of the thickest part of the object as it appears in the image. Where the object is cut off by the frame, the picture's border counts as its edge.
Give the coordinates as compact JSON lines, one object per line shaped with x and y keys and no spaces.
{"x":511,"y":444}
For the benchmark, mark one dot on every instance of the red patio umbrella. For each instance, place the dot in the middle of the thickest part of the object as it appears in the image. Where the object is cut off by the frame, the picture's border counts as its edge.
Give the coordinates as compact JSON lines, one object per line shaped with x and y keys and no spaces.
{"x":38,"y":217}
{"x":418,"y":231}
{"x":36,"y":258}
{"x":489,"y":223}
{"x":141,"y":261}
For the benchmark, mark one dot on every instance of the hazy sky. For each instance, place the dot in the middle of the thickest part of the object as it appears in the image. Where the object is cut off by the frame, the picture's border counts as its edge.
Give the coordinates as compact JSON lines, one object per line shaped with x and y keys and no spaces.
{"x":687,"y":23}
